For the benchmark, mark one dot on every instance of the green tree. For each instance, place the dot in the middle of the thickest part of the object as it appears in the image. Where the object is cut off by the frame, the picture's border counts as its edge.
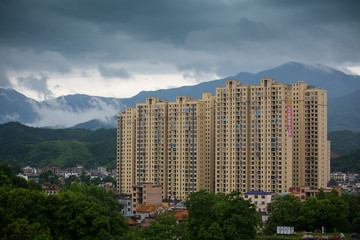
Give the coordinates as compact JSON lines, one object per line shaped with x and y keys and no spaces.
{"x":353,"y":201}
{"x":77,"y":212}
{"x":84,"y":178}
{"x":220,"y":216}
{"x":49,"y":177}
{"x":69,"y":180}
{"x":285,"y":211}
{"x":87,"y":212}
{"x":331,"y":212}
{"x":166,"y":227}
{"x":96,"y":181}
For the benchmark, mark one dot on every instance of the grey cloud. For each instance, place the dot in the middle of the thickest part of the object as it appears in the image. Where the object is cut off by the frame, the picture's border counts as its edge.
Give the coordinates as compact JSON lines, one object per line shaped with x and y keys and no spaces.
{"x":108,"y":72}
{"x":52,"y":113}
{"x":30,"y":60}
{"x":4,"y":79}
{"x":36,"y":84}
{"x":223,"y":36}
{"x":233,"y":35}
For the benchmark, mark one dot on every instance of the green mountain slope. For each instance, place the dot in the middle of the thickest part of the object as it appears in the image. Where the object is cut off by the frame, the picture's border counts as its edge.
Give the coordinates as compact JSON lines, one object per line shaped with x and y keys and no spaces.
{"x":63,"y":153}
{"x":344,"y":112}
{"x":343,"y":142}
{"x":347,"y":163}
{"x":22,"y":145}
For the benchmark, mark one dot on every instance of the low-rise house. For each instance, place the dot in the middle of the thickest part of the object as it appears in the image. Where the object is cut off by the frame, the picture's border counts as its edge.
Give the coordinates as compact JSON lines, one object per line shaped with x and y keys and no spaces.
{"x":260,"y":198}
{"x":125,"y":201}
{"x":50,"y":189}
{"x":338,"y":177}
{"x":146,"y":194}
{"x":308,"y":192}
{"x":107,"y":185}
{"x":146,"y":210}
{"x":131,"y":221}
{"x":181,"y":215}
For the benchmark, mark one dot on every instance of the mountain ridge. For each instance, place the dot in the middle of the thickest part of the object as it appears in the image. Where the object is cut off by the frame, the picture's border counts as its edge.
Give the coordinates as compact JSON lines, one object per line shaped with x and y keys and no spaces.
{"x":80,"y":109}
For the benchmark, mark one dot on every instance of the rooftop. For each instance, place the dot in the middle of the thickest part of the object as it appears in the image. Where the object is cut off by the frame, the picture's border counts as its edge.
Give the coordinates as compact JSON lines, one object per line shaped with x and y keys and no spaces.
{"x":257,"y":193}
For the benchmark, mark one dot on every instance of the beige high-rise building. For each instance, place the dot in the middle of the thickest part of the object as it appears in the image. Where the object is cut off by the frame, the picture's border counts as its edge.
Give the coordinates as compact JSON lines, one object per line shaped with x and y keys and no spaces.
{"x":167,"y":143}
{"x":268,"y":137}
{"x":253,"y":151}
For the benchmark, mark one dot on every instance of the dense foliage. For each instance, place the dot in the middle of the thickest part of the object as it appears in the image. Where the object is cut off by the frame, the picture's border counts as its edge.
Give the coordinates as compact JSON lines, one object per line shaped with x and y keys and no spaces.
{"x":166,"y":227}
{"x":221,"y":216}
{"x":347,"y":163}
{"x":344,"y":142}
{"x":38,"y":147}
{"x":77,"y":212}
{"x":84,"y":211}
{"x":334,"y":212}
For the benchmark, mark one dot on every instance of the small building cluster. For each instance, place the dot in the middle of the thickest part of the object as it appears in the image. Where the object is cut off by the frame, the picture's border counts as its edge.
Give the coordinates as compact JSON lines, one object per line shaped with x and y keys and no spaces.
{"x":34,"y":173}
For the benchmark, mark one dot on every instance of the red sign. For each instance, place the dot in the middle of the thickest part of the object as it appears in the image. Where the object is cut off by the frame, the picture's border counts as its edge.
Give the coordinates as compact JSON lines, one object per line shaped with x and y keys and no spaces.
{"x":289,"y":120}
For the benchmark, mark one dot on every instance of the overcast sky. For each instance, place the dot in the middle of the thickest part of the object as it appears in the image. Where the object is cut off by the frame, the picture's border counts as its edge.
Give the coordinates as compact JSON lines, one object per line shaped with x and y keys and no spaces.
{"x":117,"y":48}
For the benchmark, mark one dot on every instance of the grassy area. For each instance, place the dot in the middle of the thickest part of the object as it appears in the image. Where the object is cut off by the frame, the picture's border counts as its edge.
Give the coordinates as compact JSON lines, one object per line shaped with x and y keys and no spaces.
{"x":299,"y":236}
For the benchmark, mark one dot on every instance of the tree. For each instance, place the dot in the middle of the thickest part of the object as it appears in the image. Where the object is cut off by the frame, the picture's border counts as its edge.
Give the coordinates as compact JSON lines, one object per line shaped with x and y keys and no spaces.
{"x":84,"y":178}
{"x":353,"y":201}
{"x":220,"y":216}
{"x":285,"y":211}
{"x":69,"y":180}
{"x":87,"y":212}
{"x":96,"y":181}
{"x":49,"y":177}
{"x":77,"y":212}
{"x":331,"y":212}
{"x":166,"y":227}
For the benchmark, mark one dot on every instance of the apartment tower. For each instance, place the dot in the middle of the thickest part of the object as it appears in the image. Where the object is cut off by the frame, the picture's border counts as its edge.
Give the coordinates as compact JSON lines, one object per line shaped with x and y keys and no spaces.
{"x":169,"y":144}
{"x":266,"y":137}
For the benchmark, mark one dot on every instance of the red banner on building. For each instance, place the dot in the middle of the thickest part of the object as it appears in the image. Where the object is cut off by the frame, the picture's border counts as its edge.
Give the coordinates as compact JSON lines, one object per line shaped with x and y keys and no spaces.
{"x":289,"y":120}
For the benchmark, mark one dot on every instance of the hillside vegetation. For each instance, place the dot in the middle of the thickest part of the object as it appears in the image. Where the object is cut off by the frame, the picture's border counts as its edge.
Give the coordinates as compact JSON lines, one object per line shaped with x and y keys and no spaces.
{"x":21,"y":145}
{"x":347,"y":163}
{"x":38,"y":147}
{"x":344,"y":142}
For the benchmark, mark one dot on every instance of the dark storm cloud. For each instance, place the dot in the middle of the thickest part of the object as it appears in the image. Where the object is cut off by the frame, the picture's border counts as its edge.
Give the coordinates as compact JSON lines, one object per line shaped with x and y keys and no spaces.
{"x":39,"y":85}
{"x":197,"y":36}
{"x":108,"y":72}
{"x":4,"y":79}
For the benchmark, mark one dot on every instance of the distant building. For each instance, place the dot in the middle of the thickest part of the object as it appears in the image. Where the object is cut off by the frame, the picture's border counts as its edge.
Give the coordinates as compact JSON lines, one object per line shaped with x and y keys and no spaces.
{"x":29,"y":170}
{"x":56,"y":170}
{"x":107,"y":185}
{"x":307,"y":192}
{"x":182,"y":215}
{"x":260,"y":199}
{"x":146,"y":194}
{"x":338,"y":177}
{"x":102,"y":170}
{"x":50,"y":189}
{"x":125,"y":201}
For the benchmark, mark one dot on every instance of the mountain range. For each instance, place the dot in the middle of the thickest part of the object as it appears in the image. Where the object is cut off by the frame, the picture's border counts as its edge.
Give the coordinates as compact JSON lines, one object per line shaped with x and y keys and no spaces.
{"x":94,"y":112}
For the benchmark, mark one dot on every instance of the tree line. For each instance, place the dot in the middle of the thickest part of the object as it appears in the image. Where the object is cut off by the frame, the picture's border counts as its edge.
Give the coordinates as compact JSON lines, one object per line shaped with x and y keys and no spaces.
{"x":85,"y":211}
{"x":333,"y":212}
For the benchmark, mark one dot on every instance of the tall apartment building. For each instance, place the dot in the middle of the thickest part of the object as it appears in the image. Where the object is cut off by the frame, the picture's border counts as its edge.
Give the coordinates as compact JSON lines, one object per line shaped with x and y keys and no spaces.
{"x":266,"y":137}
{"x":167,"y":143}
{"x":253,"y":151}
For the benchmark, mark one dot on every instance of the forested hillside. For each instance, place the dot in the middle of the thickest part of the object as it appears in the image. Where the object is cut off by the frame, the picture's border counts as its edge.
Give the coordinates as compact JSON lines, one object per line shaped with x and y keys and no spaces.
{"x":343,"y":142}
{"x":22,"y":145}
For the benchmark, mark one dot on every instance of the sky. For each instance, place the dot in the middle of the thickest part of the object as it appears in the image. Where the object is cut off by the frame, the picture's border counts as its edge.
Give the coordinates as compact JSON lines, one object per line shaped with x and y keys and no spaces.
{"x":117,"y":48}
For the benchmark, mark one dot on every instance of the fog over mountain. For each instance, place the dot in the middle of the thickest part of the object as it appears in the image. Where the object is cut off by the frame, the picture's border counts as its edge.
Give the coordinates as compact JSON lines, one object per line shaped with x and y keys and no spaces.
{"x":93,"y":112}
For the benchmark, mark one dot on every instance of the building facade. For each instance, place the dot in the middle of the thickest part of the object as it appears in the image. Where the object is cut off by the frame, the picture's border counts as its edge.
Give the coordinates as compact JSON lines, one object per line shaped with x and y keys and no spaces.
{"x":266,"y":137}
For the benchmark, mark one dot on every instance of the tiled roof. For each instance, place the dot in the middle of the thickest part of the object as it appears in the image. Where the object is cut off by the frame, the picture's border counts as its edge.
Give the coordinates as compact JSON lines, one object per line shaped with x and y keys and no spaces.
{"x":130,"y":220}
{"x":257,"y":193}
{"x":146,"y":208}
{"x":180,"y":214}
